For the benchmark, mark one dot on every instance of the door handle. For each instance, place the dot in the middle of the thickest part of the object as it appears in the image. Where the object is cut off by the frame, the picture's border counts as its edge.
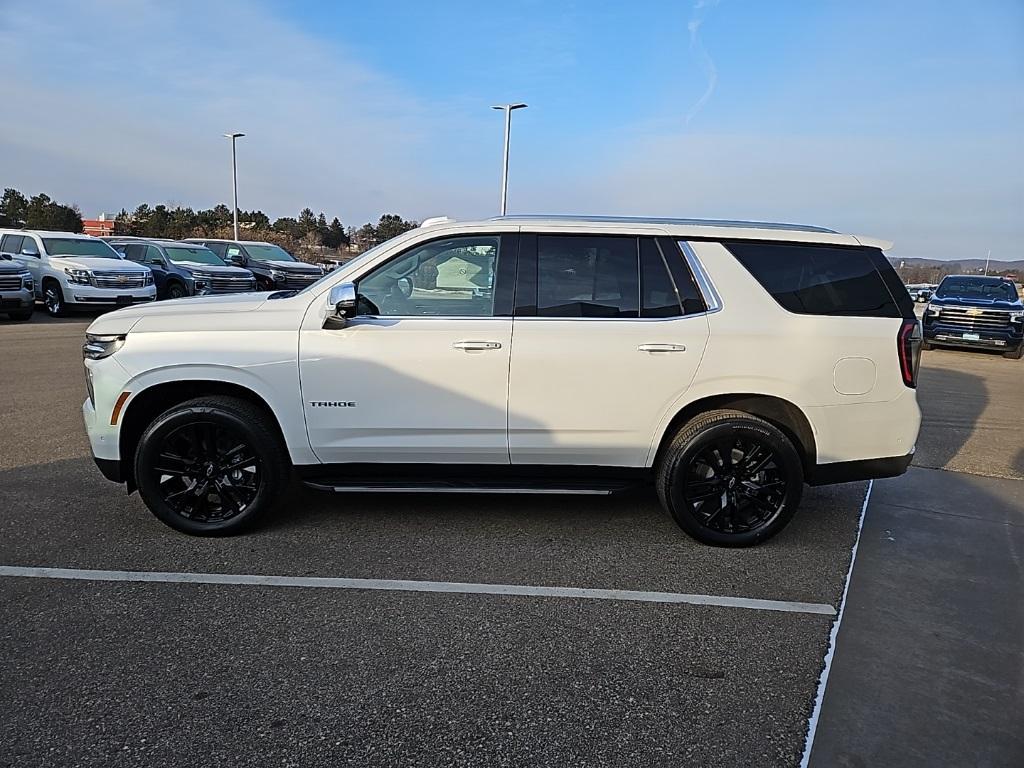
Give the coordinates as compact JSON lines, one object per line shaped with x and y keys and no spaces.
{"x":476,"y":345}
{"x":662,"y":348}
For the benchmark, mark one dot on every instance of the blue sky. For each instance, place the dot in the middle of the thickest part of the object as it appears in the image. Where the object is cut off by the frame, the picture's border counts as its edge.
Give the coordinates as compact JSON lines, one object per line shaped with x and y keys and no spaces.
{"x":900,"y":120}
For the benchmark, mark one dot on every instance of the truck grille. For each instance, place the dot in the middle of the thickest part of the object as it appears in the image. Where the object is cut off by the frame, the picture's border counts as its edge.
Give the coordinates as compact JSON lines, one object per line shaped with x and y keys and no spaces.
{"x":232,"y":284}
{"x":122,"y":280}
{"x":299,"y":280}
{"x":973,"y":318}
{"x":10,"y":282}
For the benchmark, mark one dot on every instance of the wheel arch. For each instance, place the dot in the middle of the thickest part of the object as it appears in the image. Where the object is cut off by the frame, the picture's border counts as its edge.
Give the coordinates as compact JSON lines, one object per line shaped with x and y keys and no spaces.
{"x":778,"y":411}
{"x":147,"y":404}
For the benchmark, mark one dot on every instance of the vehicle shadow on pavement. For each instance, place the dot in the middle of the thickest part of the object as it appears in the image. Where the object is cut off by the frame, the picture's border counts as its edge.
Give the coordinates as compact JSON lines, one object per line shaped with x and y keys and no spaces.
{"x":952,"y":403}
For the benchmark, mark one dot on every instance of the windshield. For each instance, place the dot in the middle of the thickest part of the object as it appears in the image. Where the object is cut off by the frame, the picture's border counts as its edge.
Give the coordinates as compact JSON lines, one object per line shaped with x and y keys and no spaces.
{"x":364,"y":256}
{"x":976,"y":288}
{"x":195,"y":254}
{"x":267,"y":252}
{"x":74,"y":246}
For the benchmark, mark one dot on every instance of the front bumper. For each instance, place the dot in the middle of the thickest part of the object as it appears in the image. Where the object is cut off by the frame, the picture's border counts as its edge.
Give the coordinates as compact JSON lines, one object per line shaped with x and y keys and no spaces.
{"x":24,"y":298}
{"x":90,"y":295}
{"x":1003,"y":340}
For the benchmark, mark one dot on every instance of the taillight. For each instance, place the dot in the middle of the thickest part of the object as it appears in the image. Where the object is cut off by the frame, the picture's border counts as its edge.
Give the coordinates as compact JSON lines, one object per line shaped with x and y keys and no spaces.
{"x":908,"y":346}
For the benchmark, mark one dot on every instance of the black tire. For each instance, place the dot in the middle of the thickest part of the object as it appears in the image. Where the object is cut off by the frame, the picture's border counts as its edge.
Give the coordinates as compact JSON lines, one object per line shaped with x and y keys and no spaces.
{"x":925,"y":346}
{"x":264,"y":284}
{"x":723,"y":499}
{"x":25,"y":314}
{"x":190,"y":456}
{"x":176,"y":291}
{"x":53,"y":299}
{"x":1016,"y":354}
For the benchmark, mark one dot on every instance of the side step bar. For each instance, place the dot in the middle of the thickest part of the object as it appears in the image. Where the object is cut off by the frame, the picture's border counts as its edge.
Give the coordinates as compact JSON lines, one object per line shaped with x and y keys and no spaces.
{"x":353,"y":485}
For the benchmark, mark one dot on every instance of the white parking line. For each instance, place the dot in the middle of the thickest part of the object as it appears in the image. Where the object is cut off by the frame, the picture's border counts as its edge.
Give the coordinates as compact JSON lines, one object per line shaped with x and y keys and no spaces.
{"x":397,"y":585}
{"x":812,"y":723}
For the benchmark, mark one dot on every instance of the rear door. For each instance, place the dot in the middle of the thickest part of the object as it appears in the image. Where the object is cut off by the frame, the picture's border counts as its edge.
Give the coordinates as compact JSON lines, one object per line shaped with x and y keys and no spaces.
{"x":608,"y":334}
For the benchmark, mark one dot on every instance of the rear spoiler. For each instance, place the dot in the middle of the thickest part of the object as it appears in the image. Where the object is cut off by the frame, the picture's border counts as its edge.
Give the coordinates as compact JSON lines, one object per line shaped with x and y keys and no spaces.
{"x":871,"y":242}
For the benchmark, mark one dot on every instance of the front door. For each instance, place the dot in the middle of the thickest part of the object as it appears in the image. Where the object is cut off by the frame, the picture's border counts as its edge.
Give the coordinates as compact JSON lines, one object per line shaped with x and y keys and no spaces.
{"x":608,"y":345}
{"x":421,"y":374}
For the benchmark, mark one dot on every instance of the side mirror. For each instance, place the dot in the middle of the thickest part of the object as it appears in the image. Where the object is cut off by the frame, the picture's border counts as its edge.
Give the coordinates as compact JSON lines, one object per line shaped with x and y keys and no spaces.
{"x":30,"y":252}
{"x":235,"y":259}
{"x":343,"y":299}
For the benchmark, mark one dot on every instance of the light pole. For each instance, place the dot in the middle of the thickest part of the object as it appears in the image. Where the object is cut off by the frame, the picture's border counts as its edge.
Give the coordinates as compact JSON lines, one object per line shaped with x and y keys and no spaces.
{"x":504,"y":171}
{"x":234,"y":178}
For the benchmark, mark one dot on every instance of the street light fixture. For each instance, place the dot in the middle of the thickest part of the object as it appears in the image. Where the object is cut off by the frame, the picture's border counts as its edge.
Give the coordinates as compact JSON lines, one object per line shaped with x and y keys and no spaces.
{"x":234,"y":177}
{"x":507,"y":108}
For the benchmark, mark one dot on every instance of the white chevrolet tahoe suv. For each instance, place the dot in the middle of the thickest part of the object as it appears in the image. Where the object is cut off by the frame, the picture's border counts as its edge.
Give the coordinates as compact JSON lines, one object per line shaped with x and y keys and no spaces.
{"x":726,"y":363}
{"x":72,"y":271}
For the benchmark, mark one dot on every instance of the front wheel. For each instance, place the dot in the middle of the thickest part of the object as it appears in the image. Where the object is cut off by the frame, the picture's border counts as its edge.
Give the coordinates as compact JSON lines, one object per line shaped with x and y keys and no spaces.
{"x":176,"y":291}
{"x":24,"y":314}
{"x":53,"y":299}
{"x":211,"y":466}
{"x":730,"y":479}
{"x":1016,"y":354}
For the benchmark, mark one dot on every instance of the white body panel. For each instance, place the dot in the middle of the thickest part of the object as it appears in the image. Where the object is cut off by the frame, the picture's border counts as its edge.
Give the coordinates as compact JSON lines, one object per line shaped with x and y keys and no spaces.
{"x":556,"y":391}
{"x":585,"y":392}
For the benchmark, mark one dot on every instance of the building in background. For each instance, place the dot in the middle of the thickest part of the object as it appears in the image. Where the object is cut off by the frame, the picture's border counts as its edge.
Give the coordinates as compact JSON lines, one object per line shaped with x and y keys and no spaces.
{"x":100,"y":226}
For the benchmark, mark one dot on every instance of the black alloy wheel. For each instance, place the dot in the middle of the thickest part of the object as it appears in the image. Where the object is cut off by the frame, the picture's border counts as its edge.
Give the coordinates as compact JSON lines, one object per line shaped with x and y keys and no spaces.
{"x":176,"y":291}
{"x":730,"y":479}
{"x":211,"y":466}
{"x":206,"y":472}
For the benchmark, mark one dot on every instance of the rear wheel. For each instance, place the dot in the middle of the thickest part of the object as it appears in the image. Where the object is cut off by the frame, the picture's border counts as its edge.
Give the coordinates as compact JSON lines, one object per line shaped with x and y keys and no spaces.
{"x":730,"y":479}
{"x":212,"y":466}
{"x":24,"y":314}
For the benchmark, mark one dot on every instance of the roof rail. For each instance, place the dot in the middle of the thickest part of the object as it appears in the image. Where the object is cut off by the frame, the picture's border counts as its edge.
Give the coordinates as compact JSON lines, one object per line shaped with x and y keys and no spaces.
{"x":435,"y":220}
{"x":669,"y":221}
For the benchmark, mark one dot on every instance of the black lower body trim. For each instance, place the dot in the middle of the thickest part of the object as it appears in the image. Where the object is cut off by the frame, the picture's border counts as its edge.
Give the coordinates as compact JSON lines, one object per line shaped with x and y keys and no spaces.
{"x":110,"y":469}
{"x":865,"y":469}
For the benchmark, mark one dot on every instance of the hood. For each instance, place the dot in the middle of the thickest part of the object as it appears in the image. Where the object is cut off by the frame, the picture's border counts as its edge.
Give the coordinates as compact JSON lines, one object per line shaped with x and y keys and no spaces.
{"x":86,"y":262}
{"x":123,"y":320}
{"x":11,"y":267}
{"x":965,"y":301}
{"x":293,"y":266}
{"x":213,"y":269}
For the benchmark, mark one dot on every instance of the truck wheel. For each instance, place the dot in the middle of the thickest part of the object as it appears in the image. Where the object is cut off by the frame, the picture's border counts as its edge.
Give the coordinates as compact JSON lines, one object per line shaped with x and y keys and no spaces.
{"x":53,"y":299}
{"x":176,"y":291}
{"x":730,"y":479}
{"x":24,"y":314}
{"x":1016,"y":354}
{"x":925,"y":346}
{"x":212,"y":466}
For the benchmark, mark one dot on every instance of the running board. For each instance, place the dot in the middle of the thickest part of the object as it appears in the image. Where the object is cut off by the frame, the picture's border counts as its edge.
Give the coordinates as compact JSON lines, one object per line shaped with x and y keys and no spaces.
{"x":351,"y":485}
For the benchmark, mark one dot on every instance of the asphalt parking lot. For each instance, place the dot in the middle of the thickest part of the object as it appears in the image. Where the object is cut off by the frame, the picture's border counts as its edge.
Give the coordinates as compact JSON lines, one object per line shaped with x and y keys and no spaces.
{"x":97,"y":672}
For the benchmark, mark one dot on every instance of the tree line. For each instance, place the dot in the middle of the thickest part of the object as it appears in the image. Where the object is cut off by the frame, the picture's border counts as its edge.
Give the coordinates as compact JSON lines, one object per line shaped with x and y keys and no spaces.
{"x":38,"y":212}
{"x":307,"y":235}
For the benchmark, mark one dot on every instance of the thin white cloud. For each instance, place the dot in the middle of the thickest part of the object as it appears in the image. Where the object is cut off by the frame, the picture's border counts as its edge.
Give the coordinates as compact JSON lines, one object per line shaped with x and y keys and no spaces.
{"x":704,"y":60}
{"x":132,"y":99}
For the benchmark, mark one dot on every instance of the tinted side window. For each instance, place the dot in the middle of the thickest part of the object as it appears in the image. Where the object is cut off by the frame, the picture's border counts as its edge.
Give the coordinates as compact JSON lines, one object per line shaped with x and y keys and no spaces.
{"x":134,"y":252}
{"x":219,"y":248}
{"x":587,"y":276}
{"x":153,"y":255}
{"x":658,"y":297}
{"x":818,"y":279}
{"x":11,"y":244}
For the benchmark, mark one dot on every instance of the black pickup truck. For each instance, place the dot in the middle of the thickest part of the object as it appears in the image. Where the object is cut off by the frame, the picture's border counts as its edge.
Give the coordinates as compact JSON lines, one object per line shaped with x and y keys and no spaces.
{"x":976,"y":311}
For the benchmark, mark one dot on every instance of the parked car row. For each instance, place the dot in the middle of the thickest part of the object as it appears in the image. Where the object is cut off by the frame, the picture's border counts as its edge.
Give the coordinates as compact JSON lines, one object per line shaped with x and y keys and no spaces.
{"x":70,"y":271}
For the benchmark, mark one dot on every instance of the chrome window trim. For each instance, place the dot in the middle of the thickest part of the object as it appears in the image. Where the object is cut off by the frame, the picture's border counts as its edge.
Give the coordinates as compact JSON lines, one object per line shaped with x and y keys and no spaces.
{"x":704,"y":283}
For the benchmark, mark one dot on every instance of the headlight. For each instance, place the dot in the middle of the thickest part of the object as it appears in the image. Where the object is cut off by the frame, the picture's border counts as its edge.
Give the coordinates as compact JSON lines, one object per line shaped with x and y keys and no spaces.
{"x":26,"y":280}
{"x":931,"y":310}
{"x":1017,"y":316}
{"x":98,"y":347}
{"x":276,"y":275}
{"x":79,"y":276}
{"x":149,"y":279}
